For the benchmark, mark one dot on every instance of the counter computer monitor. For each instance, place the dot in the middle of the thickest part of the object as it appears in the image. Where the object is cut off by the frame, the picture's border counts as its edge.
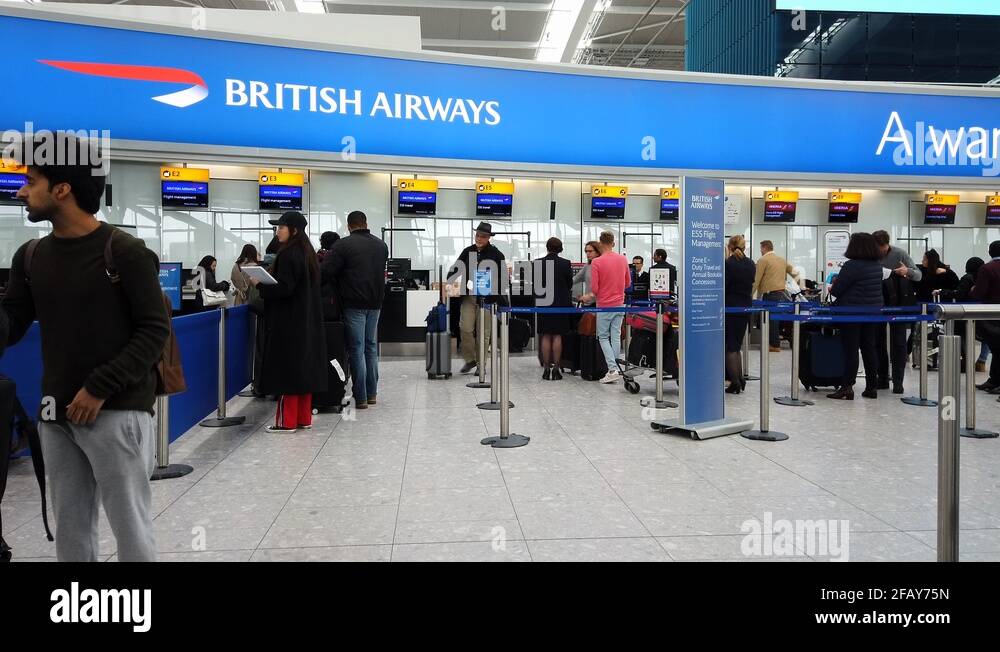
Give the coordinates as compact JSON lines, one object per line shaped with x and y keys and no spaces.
{"x":939,"y":214}
{"x":397,"y":269}
{"x":280,"y":198}
{"x":171,"y":281}
{"x":184,"y":194}
{"x":844,"y":212}
{"x":779,"y":211}
{"x":607,"y":208}
{"x":415,"y":202}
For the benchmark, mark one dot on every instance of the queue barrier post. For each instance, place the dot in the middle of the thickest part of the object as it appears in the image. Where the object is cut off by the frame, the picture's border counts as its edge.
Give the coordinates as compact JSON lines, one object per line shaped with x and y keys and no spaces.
{"x":254,"y":371}
{"x":922,"y":400}
{"x":164,"y":470}
{"x":747,"y":376}
{"x":506,"y":439}
{"x":764,"y":433}
{"x":481,"y":358}
{"x":495,"y":375}
{"x":970,"y":430}
{"x":793,"y":400}
{"x":220,"y":420}
{"x":949,"y":400}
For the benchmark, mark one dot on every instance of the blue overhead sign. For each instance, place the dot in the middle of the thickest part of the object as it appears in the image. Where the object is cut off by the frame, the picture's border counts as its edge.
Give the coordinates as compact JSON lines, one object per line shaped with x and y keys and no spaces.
{"x":149,"y":87}
{"x":950,"y":7}
{"x":703,"y":299}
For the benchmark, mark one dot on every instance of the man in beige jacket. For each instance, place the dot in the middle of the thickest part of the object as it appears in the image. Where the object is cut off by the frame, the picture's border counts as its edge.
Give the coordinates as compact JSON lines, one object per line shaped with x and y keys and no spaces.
{"x":769,"y":284}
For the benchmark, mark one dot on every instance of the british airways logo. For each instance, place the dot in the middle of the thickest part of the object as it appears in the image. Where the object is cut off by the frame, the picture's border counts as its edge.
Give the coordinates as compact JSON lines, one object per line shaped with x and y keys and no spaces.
{"x":196,"y":92}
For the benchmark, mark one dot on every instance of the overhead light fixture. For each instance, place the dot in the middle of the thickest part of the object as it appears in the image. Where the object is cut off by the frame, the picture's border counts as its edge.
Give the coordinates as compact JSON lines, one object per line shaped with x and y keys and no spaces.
{"x":310,"y":6}
{"x":558,"y":28}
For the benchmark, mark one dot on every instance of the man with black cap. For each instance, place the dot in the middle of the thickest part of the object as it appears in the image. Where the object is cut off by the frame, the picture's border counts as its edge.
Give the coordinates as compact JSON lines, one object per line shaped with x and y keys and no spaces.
{"x":477,"y":272}
{"x":356,"y":264}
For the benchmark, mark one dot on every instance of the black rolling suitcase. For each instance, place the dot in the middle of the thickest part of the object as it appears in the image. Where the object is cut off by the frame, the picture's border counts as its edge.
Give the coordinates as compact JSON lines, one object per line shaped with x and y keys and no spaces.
{"x":821,"y":358}
{"x":592,"y":363}
{"x":332,"y":400}
{"x":520,"y":334}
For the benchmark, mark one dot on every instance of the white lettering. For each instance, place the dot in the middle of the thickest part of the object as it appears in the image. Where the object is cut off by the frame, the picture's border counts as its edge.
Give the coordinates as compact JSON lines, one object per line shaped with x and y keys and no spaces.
{"x":436,"y":110}
{"x":329,"y":101}
{"x":950,"y":139}
{"x":982,"y":143}
{"x":258,"y":93}
{"x":356,"y":101}
{"x":492,"y":108}
{"x":902,"y":136}
{"x":381,"y":104}
{"x":235,"y":93}
{"x":459,"y":107}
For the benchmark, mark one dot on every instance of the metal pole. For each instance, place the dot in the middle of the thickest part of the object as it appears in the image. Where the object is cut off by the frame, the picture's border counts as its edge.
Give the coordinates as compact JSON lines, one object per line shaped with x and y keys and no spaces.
{"x":765,"y":433}
{"x":794,"y":400}
{"x":746,"y":355}
{"x":506,"y":439}
{"x":495,"y":374}
{"x":164,"y":469}
{"x":658,"y":401}
{"x":949,"y":402}
{"x":921,"y":400}
{"x":221,"y":420}
{"x":481,"y":360}
{"x":970,"y":429}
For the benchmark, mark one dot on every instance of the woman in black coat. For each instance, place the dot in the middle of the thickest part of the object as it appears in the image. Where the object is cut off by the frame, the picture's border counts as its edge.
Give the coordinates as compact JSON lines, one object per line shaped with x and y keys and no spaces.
{"x":294,"y":350}
{"x":936,"y":276}
{"x":859,"y":283}
{"x":554,"y":275}
{"x":740,"y":272}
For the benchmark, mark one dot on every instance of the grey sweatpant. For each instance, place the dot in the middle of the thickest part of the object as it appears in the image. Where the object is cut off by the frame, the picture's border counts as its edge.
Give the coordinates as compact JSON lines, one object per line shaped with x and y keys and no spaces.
{"x":108,"y":462}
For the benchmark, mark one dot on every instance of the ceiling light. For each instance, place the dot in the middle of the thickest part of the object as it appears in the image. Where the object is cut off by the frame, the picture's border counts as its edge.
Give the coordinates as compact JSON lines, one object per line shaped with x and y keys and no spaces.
{"x":310,"y":6}
{"x":558,"y":28}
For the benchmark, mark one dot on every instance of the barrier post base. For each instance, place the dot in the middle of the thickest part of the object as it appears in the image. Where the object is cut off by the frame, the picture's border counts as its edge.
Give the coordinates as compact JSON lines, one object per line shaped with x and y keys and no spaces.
{"x":650,"y":402}
{"x":749,"y":378}
{"x":491,"y":405}
{"x":977,"y":433}
{"x":249,"y":393}
{"x":764,"y":435}
{"x":792,"y":402}
{"x":170,"y":472}
{"x":510,"y":441}
{"x":478,"y":385}
{"x":216,"y":422}
{"x":916,"y":400}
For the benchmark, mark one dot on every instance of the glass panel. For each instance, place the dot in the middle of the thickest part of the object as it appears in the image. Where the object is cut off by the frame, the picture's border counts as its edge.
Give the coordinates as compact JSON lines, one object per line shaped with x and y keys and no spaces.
{"x":916,"y":246}
{"x":418,"y":246}
{"x":232,"y":231}
{"x":187,"y":237}
{"x":803,"y":249}
{"x":15,"y":230}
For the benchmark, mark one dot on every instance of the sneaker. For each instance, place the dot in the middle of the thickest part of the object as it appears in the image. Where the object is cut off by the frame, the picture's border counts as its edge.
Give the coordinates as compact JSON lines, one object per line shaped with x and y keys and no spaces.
{"x":280,"y":430}
{"x":980,"y":366}
{"x":610,"y":377}
{"x":371,"y":399}
{"x":468,"y":367}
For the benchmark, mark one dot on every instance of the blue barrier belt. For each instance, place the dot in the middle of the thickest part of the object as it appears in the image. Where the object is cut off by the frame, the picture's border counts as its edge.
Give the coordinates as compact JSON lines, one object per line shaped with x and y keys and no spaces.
{"x":853,"y":319}
{"x":571,"y":311}
{"x":738,"y":310}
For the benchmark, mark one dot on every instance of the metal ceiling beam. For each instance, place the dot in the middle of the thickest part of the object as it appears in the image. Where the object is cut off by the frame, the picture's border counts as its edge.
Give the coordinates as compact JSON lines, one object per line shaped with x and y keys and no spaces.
{"x":483,"y":5}
{"x":660,"y":31}
{"x":661,"y":23}
{"x":465,"y":43}
{"x":582,"y":18}
{"x":636,"y":26}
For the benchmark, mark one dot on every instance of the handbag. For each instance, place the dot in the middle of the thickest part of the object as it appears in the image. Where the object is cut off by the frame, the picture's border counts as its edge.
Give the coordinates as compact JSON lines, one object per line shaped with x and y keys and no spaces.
{"x":587,"y":325}
{"x":213,"y":298}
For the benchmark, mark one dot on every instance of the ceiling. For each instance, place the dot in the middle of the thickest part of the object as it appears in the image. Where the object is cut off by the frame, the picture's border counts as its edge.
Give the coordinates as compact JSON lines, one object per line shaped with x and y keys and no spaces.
{"x":628,"y":33}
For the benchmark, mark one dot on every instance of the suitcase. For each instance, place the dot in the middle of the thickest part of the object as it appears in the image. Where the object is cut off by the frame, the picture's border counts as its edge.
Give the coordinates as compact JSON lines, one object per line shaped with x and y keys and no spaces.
{"x":332,"y":400}
{"x":592,"y":363}
{"x":570,"y":360}
{"x":437,"y":357}
{"x":821,"y":359}
{"x":642,"y":351}
{"x":520,"y":334}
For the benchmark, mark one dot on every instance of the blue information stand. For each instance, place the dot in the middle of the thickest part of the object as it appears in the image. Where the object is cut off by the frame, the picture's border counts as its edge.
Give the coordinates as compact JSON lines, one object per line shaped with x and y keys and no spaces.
{"x":702,"y":313}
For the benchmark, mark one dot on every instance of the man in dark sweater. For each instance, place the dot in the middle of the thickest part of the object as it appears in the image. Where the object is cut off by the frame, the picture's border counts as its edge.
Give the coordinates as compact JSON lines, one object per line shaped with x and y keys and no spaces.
{"x":483,"y":263}
{"x":101,"y":339}
{"x":356,"y":264}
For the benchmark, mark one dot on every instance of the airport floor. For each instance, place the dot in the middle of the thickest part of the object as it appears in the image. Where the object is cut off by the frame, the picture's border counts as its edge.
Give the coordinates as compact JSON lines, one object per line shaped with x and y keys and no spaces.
{"x":407,"y":480}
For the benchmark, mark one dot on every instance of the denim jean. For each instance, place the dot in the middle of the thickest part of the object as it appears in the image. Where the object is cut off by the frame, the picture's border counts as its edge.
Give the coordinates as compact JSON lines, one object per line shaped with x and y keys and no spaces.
{"x":362,"y":343}
{"x":609,"y":334}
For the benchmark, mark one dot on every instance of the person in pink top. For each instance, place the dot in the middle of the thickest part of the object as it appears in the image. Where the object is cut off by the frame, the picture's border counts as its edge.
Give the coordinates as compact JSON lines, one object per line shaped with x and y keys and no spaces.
{"x":609,"y":277}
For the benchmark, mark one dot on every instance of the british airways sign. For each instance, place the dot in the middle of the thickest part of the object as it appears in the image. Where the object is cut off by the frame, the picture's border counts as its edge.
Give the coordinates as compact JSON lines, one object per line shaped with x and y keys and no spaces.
{"x":200,"y":90}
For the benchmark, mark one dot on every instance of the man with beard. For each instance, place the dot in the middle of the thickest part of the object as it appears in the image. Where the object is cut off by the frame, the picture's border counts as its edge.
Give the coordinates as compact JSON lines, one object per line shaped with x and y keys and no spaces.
{"x":103,"y":331}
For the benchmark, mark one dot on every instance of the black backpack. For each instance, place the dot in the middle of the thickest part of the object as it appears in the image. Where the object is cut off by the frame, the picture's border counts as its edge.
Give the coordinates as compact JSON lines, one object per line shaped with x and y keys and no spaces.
{"x":17,"y":432}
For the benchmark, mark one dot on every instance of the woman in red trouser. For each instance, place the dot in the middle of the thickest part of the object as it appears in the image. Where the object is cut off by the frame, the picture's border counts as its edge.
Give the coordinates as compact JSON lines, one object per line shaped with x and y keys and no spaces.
{"x":294,"y":365}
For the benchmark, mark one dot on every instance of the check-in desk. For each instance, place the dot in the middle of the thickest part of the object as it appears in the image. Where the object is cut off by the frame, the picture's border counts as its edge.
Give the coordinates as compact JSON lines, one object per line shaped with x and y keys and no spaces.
{"x":402,"y":323}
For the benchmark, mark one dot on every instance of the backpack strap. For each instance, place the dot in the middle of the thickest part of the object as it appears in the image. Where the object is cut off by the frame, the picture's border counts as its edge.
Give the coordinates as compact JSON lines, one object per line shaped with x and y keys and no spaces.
{"x":109,"y":259}
{"x":29,"y":253}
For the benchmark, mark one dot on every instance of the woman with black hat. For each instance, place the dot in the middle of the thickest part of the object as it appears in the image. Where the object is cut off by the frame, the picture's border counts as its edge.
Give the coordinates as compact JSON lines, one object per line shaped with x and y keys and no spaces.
{"x":294,"y":351}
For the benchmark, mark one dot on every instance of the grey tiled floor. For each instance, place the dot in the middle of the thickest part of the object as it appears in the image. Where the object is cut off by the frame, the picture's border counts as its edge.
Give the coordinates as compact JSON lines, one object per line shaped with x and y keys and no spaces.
{"x":407,"y":480}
